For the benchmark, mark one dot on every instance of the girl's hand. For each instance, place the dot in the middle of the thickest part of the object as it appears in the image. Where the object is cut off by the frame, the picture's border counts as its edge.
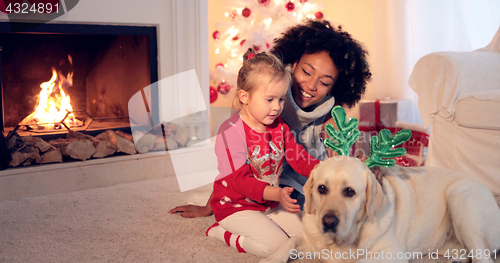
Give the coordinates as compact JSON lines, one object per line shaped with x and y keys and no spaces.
{"x":192,"y":210}
{"x":287,"y":202}
{"x":282,"y":195}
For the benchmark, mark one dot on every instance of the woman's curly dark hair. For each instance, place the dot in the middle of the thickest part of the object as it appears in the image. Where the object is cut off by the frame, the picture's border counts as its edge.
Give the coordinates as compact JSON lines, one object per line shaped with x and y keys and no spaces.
{"x":348,"y":55}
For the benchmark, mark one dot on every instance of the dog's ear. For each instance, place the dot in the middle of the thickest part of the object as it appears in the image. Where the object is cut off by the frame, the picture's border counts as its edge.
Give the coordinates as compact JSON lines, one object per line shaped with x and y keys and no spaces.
{"x":375,"y":198}
{"x":308,"y":191}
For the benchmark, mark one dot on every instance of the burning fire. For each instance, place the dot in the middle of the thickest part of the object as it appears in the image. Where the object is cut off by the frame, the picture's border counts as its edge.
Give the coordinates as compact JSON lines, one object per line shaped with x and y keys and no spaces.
{"x":54,"y":104}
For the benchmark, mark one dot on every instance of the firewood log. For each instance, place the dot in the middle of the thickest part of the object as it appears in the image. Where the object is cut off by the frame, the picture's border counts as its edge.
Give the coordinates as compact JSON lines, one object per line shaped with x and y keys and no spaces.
{"x":172,"y":144}
{"x":123,"y":144}
{"x":25,"y":156}
{"x":126,"y":135}
{"x":38,"y":142}
{"x":169,"y":129}
{"x":146,"y":143}
{"x":181,"y":135}
{"x":19,"y":158}
{"x":14,"y":142}
{"x":160,"y":144}
{"x":79,"y":150}
{"x":81,"y":136}
{"x":104,"y":149}
{"x":58,"y":143}
{"x":21,"y":153}
{"x":52,"y":156}
{"x":75,"y":148}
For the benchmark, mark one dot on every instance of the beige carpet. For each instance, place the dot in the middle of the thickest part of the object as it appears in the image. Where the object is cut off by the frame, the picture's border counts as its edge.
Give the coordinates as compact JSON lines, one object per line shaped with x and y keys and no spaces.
{"x":122,"y":223}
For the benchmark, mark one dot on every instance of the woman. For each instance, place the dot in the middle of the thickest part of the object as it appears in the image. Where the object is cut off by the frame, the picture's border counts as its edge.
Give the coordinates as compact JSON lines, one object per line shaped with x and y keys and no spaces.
{"x":328,"y":68}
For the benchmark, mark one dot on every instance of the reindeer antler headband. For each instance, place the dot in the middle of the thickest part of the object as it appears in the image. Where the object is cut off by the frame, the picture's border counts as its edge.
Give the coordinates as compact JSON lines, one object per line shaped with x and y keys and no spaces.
{"x":382,"y":149}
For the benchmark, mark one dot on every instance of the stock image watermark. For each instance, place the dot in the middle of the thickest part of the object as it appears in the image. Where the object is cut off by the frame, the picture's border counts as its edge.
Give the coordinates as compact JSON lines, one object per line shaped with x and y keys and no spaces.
{"x":464,"y":254}
{"x":153,"y":109}
{"x":26,"y":14}
{"x":356,"y":254}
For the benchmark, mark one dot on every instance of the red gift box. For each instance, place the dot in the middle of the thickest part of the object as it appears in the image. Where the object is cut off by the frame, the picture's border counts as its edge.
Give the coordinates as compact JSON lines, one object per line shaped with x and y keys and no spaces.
{"x":378,"y":115}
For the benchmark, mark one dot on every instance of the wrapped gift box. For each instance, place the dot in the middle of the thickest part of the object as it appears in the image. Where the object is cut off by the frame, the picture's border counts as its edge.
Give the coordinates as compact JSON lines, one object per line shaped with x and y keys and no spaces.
{"x":385,"y":113}
{"x":377,"y":115}
{"x":415,"y":149}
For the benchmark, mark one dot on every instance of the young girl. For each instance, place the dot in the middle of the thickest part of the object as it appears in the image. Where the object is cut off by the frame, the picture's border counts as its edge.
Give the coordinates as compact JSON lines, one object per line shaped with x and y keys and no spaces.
{"x":253,"y":214}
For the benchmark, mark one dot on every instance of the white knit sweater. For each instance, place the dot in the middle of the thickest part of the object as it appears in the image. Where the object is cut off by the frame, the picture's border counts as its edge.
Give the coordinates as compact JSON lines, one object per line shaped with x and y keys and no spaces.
{"x":307,"y":127}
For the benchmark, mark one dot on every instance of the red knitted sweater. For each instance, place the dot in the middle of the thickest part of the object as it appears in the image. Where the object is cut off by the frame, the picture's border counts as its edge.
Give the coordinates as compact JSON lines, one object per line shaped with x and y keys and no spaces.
{"x":248,"y":161}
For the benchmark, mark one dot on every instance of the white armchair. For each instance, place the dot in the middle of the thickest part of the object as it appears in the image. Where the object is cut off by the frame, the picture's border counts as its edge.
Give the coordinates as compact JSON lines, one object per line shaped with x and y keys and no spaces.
{"x":459,"y":94}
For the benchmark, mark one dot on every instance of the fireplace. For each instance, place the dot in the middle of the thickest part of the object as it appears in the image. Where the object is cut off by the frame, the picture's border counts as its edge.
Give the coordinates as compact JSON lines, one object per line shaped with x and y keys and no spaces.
{"x":97,"y":67}
{"x":182,"y":38}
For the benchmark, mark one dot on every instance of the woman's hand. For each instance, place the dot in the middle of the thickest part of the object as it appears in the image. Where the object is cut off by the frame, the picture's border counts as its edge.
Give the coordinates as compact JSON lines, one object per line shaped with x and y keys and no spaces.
{"x":192,"y":210}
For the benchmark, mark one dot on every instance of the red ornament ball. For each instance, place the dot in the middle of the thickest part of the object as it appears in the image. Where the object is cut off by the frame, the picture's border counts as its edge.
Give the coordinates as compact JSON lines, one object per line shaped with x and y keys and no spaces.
{"x":256,"y":48}
{"x":219,"y":65}
{"x":242,"y":42}
{"x":318,"y":15}
{"x":264,"y":2}
{"x":268,"y":46}
{"x":223,"y":87}
{"x":246,"y":12}
{"x":213,"y":94}
{"x":216,"y":34}
{"x":290,"y":6}
{"x":303,"y":1}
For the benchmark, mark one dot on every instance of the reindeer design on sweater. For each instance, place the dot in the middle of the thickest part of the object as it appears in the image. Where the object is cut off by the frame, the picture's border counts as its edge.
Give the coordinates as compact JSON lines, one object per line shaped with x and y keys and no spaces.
{"x":259,"y":164}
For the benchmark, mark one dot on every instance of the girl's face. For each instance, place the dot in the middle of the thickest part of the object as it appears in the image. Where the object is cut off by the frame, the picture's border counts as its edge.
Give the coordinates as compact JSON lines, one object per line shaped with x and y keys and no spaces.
{"x":313,"y":79}
{"x":264,"y":105}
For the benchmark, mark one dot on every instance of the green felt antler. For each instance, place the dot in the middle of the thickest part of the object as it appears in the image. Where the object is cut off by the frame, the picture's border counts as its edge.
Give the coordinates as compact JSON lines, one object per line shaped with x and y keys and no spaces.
{"x":347,"y":132}
{"x":382,"y":148}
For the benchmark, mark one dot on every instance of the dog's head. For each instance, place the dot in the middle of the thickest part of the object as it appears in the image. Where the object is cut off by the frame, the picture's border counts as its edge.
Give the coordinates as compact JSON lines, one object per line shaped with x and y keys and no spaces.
{"x":342,"y":193}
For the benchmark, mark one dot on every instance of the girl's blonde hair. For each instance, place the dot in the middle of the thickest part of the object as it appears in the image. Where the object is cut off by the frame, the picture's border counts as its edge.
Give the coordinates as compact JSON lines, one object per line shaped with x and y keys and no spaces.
{"x":259,"y":68}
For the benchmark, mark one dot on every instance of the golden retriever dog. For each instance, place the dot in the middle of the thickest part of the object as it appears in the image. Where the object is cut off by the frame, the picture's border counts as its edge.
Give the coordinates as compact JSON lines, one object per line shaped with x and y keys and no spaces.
{"x":414,"y":213}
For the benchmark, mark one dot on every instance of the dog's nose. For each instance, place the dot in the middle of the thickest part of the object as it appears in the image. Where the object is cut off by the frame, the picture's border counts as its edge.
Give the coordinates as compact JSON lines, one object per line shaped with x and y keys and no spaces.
{"x":330,"y":222}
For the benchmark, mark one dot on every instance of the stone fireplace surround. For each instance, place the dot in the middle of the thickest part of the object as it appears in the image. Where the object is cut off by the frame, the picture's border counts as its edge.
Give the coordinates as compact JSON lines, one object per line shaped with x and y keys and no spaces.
{"x":182,"y":46}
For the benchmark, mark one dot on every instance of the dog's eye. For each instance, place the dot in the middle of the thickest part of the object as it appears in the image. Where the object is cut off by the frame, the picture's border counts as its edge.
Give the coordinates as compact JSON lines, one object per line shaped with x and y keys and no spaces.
{"x":349,"y":192}
{"x":322,"y":189}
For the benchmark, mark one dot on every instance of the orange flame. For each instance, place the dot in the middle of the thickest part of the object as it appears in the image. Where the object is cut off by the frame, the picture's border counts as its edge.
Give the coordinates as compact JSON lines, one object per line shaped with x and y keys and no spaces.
{"x":53,"y":103}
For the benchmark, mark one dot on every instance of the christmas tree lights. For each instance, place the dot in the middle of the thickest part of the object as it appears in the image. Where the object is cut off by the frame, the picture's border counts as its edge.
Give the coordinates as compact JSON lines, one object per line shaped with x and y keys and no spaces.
{"x":253,"y":23}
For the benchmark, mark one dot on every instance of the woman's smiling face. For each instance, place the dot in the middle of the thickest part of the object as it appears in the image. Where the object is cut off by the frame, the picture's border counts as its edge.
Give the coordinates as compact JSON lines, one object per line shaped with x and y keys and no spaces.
{"x":313,"y":79}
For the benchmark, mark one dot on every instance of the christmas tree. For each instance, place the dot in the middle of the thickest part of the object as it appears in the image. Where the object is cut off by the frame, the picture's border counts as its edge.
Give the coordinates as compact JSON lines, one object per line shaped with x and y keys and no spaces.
{"x":252,"y":23}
